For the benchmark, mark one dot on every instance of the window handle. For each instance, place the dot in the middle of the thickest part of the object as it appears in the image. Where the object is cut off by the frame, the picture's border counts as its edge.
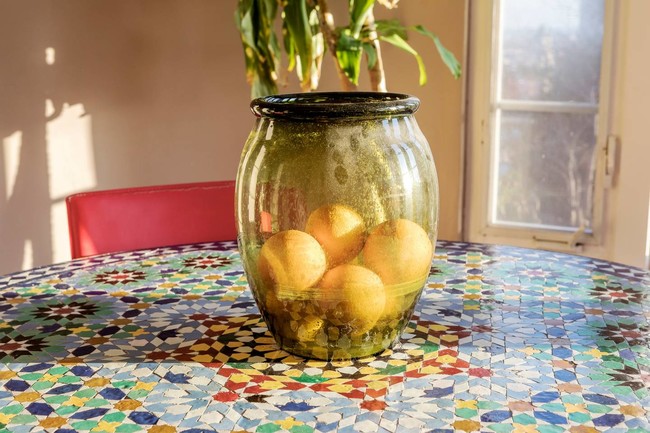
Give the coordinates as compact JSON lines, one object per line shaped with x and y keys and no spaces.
{"x":572,"y":242}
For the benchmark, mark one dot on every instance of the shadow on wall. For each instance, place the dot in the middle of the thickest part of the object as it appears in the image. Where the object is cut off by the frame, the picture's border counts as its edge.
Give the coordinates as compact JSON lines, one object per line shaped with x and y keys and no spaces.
{"x":108,"y":94}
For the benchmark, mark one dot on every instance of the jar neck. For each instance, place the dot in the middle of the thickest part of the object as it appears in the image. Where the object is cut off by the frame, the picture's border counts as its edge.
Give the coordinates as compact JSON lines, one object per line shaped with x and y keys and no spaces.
{"x":335,"y":106}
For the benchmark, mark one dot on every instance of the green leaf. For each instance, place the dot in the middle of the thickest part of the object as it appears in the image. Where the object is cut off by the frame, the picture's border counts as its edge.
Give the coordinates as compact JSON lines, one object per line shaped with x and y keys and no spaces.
{"x":318,"y":46}
{"x":447,"y":56}
{"x":391,"y":27}
{"x":396,"y":40}
{"x":254,"y":19}
{"x":359,"y":10}
{"x":348,"y":53}
{"x":270,"y":9}
{"x":299,"y":32}
{"x":246,"y":25}
{"x":288,"y":46}
{"x":371,"y":53}
{"x":262,"y":86}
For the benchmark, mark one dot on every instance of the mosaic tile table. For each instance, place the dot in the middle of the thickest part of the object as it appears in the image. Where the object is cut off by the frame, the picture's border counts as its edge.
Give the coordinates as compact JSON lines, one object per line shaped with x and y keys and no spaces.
{"x":170,"y":340}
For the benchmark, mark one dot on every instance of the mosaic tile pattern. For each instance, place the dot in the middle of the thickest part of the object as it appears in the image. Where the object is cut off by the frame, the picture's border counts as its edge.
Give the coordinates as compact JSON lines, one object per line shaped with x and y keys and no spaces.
{"x":170,"y":340}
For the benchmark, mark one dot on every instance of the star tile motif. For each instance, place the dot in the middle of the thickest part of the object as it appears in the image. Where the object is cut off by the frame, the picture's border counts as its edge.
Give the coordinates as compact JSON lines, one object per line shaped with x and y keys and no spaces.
{"x":170,"y":340}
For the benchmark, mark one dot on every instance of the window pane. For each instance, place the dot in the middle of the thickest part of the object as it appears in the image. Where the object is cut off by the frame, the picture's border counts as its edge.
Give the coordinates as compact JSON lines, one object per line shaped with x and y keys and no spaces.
{"x":550,"y":49}
{"x":545,"y":169}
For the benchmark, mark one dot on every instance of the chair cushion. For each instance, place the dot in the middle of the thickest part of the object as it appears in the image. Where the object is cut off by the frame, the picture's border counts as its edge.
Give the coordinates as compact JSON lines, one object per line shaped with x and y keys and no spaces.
{"x":146,"y":217}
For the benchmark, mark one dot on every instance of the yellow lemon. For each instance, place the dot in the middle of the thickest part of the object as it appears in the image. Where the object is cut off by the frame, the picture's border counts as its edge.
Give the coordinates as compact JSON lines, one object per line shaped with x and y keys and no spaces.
{"x":399,"y":251}
{"x":401,"y":298}
{"x":291,"y":260}
{"x":309,"y":328}
{"x":340,"y":230}
{"x":273,"y":305}
{"x":352,"y":296}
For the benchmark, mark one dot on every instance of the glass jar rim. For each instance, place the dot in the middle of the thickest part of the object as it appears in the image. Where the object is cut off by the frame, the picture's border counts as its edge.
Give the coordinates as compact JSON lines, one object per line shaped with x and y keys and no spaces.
{"x":334,"y":105}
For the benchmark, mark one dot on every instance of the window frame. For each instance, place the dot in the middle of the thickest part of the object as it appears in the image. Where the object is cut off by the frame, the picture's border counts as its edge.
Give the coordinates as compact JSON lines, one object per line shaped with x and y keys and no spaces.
{"x":482,"y":90}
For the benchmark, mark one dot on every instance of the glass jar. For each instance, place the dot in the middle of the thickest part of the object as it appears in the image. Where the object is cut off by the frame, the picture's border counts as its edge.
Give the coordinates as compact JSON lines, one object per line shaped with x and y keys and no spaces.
{"x":337,"y":213}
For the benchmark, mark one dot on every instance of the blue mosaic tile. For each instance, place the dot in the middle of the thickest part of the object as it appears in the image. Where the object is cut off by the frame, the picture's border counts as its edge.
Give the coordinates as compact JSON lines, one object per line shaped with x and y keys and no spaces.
{"x":524,"y":360}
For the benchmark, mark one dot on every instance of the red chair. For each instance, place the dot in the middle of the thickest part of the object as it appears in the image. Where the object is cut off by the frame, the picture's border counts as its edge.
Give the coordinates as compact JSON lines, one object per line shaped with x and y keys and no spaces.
{"x":145,"y":217}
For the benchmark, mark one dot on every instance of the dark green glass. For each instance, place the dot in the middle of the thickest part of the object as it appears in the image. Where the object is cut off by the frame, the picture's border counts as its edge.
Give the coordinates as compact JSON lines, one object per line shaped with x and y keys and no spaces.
{"x":337,"y":213}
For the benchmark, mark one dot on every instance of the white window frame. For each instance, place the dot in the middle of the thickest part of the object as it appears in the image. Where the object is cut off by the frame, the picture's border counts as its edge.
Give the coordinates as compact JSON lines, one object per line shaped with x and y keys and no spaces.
{"x":481,"y":130}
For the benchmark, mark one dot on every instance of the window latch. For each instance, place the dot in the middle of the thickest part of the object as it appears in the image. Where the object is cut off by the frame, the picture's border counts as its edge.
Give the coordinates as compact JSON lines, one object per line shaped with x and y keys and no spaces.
{"x":573,"y":242}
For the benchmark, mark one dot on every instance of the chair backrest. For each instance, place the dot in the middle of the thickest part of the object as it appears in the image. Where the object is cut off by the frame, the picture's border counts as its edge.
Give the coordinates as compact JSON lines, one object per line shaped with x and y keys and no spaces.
{"x":146,"y":217}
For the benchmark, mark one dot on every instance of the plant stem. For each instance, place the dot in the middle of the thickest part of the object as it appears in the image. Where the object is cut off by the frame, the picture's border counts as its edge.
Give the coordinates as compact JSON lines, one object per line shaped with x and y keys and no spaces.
{"x":376,"y":73}
{"x":327,"y":27}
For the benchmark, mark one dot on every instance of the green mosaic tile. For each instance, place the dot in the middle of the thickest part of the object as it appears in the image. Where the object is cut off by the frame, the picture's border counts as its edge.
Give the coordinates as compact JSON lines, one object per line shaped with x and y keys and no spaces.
{"x":85,"y":393}
{"x":23,"y":419}
{"x":42,"y":385}
{"x":489,"y":405}
{"x":56,"y":399}
{"x":466,"y":413}
{"x":97,"y":402}
{"x":553,"y":407}
{"x":12,"y":409}
{"x":66,"y":410}
{"x":128,"y":428}
{"x":114,"y":417}
{"x":268,"y":428}
{"x":31,"y":377}
{"x":84,"y":425}
{"x":124,"y":384}
{"x":70,"y":379}
{"x":138,"y":394}
{"x":501,"y":428}
{"x":524,"y":419}
{"x":572,"y":399}
{"x":579,"y":417}
{"x":61,"y":369}
{"x":508,"y":338}
{"x":621,"y":390}
{"x":598,"y":408}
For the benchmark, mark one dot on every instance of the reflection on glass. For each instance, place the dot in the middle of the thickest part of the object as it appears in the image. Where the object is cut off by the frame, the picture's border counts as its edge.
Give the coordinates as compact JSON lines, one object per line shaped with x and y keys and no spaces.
{"x":551,"y":49}
{"x":545,"y":107}
{"x":545,"y":170}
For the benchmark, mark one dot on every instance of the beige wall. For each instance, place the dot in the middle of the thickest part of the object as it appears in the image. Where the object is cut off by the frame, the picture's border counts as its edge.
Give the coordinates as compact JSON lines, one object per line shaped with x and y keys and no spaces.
{"x":160,"y":84}
{"x":629,"y":229}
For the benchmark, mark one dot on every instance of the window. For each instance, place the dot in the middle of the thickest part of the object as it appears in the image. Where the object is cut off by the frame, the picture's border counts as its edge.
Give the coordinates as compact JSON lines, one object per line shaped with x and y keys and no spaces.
{"x":538,"y":121}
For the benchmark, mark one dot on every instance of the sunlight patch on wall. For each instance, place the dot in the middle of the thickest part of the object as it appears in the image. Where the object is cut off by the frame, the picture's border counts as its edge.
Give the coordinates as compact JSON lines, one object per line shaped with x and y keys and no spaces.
{"x":59,"y":227}
{"x":28,"y":255}
{"x":71,"y":167}
{"x":11,"y":152}
{"x":50,"y":55}
{"x":49,"y":108}
{"x":71,"y":162}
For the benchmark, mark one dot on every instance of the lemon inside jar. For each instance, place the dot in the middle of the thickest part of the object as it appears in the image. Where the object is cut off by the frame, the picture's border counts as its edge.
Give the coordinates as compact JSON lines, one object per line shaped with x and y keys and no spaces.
{"x":338,"y":290}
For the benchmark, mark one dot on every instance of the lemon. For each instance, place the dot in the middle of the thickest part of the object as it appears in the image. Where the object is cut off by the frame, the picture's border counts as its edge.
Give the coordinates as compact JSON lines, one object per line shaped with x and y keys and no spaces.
{"x":340,"y":230}
{"x":291,"y":261}
{"x":400,"y":298}
{"x":309,"y":328}
{"x":352,"y":296}
{"x":399,"y":251}
{"x":273,"y":305}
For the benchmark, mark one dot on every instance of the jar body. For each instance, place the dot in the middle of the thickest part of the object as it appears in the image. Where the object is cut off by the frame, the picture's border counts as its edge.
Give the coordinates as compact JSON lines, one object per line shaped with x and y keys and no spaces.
{"x":337,"y":221}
